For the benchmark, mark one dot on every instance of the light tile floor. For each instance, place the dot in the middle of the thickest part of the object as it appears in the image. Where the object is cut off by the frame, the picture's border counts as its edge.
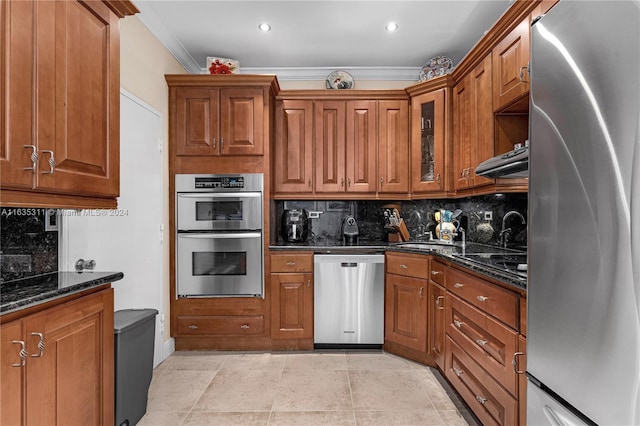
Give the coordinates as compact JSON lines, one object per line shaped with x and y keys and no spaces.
{"x":301,"y":388}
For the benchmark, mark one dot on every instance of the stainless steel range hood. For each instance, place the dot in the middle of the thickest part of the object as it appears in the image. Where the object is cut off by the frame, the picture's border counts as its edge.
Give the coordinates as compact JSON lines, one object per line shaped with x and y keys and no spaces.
{"x":513,"y":164}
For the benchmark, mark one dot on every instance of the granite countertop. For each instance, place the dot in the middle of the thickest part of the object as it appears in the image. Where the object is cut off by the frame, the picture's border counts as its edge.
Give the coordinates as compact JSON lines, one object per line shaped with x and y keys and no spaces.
{"x":26,"y":292}
{"x":452,"y":253}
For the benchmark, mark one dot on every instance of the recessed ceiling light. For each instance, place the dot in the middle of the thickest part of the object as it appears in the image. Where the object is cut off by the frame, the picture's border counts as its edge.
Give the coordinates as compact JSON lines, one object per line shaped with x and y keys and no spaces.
{"x":391,"y":26}
{"x":264,"y":27}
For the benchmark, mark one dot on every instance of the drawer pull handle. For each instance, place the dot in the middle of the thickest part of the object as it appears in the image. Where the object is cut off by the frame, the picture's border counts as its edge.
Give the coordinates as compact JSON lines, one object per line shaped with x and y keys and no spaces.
{"x":458,"y":285}
{"x":457,"y":323}
{"x":308,"y":283}
{"x":457,"y":372}
{"x":435,"y":273}
{"x":33,"y":157}
{"x":213,"y":143}
{"x":421,"y":290}
{"x":482,"y":342}
{"x":40,"y":345}
{"x":438,"y":302}
{"x":291,"y":263}
{"x":404,"y":266}
{"x":244,"y":326}
{"x":514,"y":362}
{"x":482,"y":298}
{"x":22,"y":354}
{"x":51,"y":162}
{"x":481,"y":399}
{"x":193,"y":326}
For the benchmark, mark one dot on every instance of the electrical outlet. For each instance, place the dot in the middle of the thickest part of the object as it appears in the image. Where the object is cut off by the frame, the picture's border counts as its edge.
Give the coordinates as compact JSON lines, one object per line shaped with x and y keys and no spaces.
{"x":488,"y":215}
{"x":314,"y":215}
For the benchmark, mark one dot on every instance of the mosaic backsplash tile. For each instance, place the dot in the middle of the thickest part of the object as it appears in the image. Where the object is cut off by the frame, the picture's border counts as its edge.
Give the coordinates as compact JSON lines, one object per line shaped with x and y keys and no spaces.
{"x":28,"y":242}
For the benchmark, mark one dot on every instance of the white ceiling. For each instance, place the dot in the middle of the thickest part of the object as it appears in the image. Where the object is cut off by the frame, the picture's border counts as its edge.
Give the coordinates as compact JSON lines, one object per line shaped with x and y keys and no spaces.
{"x":309,"y":37}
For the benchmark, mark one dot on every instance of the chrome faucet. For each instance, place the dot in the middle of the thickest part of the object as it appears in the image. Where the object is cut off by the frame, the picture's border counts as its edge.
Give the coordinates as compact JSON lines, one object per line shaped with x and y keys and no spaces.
{"x":505,"y":233}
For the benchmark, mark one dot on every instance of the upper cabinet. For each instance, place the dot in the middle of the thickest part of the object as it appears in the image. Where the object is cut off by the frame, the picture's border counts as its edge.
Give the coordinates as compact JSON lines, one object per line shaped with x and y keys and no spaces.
{"x":60,"y":105}
{"x":211,"y":121}
{"x":430,"y":146}
{"x":510,"y":64}
{"x":341,"y":144}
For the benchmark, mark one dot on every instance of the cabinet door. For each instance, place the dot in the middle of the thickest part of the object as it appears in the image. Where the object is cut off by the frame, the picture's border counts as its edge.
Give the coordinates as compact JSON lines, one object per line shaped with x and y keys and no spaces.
{"x":510,"y":59}
{"x":520,"y":364}
{"x":361,"y":145}
{"x":463,"y":132}
{"x":12,"y":373}
{"x":292,"y":306}
{"x":393,"y":146}
{"x":72,"y":381}
{"x":428,"y":142}
{"x":197,"y":121}
{"x":294,"y":147}
{"x":406,"y":311}
{"x":438,"y":320}
{"x":242,"y":121}
{"x":330,"y":146}
{"x":482,"y":141}
{"x":16,"y":90}
{"x":77,"y":105}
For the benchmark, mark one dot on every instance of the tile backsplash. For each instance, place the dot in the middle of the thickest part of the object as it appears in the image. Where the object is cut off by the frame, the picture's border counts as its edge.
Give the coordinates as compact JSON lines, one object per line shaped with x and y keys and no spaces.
{"x":419,"y":217}
{"x":28,"y":242}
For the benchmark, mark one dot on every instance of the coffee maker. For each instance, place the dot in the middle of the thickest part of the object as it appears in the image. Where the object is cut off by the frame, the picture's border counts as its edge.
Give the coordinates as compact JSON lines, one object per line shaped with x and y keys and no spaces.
{"x":294,"y":225}
{"x":350,"y":230}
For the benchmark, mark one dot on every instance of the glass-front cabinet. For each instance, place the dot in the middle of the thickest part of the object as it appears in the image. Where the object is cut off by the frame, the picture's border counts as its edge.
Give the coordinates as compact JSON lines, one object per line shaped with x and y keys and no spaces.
{"x":428,"y":147}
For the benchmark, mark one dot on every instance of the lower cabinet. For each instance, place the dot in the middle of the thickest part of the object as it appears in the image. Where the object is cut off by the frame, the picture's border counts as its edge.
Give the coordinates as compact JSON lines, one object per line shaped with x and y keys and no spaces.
{"x":438,"y":321}
{"x":520,"y":366}
{"x":291,"y":286}
{"x":406,"y":311}
{"x":57,"y":365}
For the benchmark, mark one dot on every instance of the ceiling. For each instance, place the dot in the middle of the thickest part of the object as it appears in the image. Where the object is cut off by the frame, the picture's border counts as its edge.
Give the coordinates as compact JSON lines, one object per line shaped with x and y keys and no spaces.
{"x":309,"y":37}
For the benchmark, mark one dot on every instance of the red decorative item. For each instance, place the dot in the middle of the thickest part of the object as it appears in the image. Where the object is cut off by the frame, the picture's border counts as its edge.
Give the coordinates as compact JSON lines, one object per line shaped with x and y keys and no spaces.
{"x":222,"y":66}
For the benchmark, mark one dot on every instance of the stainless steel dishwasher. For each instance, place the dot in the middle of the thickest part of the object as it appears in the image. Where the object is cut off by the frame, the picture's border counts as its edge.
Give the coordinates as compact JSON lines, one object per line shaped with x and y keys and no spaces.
{"x":348,"y":300}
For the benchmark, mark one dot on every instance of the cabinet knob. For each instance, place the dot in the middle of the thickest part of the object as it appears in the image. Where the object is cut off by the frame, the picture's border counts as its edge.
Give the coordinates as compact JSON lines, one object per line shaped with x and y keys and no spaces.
{"x":40,"y":345}
{"x":482,"y":298}
{"x":22,"y":354}
{"x":244,"y":326}
{"x":435,"y":273}
{"x":33,"y":157}
{"x":457,"y":323}
{"x":403,"y":266}
{"x":52,"y":162}
{"x":482,"y":342}
{"x":457,"y":371}
{"x":482,"y":400}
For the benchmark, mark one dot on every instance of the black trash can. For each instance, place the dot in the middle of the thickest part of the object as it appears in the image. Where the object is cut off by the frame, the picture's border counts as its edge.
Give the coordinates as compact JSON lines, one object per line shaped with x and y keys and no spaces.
{"x":134,"y":336}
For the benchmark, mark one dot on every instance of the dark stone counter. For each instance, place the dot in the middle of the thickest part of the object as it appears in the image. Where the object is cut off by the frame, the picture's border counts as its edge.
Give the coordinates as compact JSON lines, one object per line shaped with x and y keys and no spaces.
{"x":455,"y":254}
{"x":27,"y":292}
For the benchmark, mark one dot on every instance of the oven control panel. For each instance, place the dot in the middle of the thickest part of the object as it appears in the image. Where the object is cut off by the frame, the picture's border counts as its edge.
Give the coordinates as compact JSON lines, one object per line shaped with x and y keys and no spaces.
{"x":219,"y":182}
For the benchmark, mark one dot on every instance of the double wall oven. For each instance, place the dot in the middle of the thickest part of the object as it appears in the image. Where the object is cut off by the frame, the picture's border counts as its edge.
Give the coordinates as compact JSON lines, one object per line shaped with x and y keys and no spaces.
{"x":219,"y":244}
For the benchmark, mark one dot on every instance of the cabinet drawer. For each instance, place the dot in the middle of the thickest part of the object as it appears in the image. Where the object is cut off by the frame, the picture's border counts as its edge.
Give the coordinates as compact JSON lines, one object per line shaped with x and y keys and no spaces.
{"x":486,"y":340}
{"x":292,"y":262}
{"x":225,"y":325}
{"x":488,"y":400}
{"x":409,"y":265}
{"x":496,"y":301}
{"x":437,"y":272}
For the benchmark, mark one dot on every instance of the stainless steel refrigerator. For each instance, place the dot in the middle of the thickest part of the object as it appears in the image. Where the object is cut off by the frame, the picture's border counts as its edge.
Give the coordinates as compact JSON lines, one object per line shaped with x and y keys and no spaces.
{"x":583,"y":328}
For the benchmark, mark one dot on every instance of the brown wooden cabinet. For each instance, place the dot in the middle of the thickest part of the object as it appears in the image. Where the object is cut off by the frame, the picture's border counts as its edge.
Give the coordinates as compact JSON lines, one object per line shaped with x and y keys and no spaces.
{"x":57,"y":138}
{"x":406,"y":301}
{"x":520,"y":367}
{"x":510,"y":61}
{"x":393,"y":147}
{"x":473,"y":140}
{"x":213,"y":121}
{"x":293,"y":153}
{"x":69,"y":378}
{"x":291,"y":296}
{"x":345,"y":140}
{"x":430,"y":150}
{"x":437,"y":300}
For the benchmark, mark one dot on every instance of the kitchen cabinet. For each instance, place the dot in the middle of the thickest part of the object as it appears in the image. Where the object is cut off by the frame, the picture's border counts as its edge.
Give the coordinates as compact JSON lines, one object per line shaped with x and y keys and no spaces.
{"x":393,"y":147}
{"x":406,"y":304}
{"x":219,"y":121}
{"x":345,"y":146}
{"x":473,"y":138}
{"x":437,"y":319}
{"x":510,"y":63}
{"x":293,"y":153}
{"x":292,"y":296}
{"x":520,"y":367}
{"x":429,"y":145}
{"x":60,"y":105}
{"x":65,"y":374}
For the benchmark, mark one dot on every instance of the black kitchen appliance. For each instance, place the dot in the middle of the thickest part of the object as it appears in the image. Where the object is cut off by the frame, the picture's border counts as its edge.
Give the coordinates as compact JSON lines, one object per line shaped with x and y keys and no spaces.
{"x":350,"y":230}
{"x":294,"y":225}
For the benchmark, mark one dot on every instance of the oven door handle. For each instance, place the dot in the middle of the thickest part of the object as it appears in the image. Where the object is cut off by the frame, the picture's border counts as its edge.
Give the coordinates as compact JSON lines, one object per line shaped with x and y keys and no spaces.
{"x":227,"y":235}
{"x":212,"y":195}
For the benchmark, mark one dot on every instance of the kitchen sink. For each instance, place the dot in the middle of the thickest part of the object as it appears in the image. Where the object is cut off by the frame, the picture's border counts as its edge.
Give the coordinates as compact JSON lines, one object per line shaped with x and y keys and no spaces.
{"x":512,"y":262}
{"x":425,"y":245}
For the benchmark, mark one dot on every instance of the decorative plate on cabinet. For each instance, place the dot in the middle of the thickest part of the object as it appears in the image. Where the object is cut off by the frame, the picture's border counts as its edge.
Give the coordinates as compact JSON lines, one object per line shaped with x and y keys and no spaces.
{"x":340,"y":80}
{"x":435,"y":67}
